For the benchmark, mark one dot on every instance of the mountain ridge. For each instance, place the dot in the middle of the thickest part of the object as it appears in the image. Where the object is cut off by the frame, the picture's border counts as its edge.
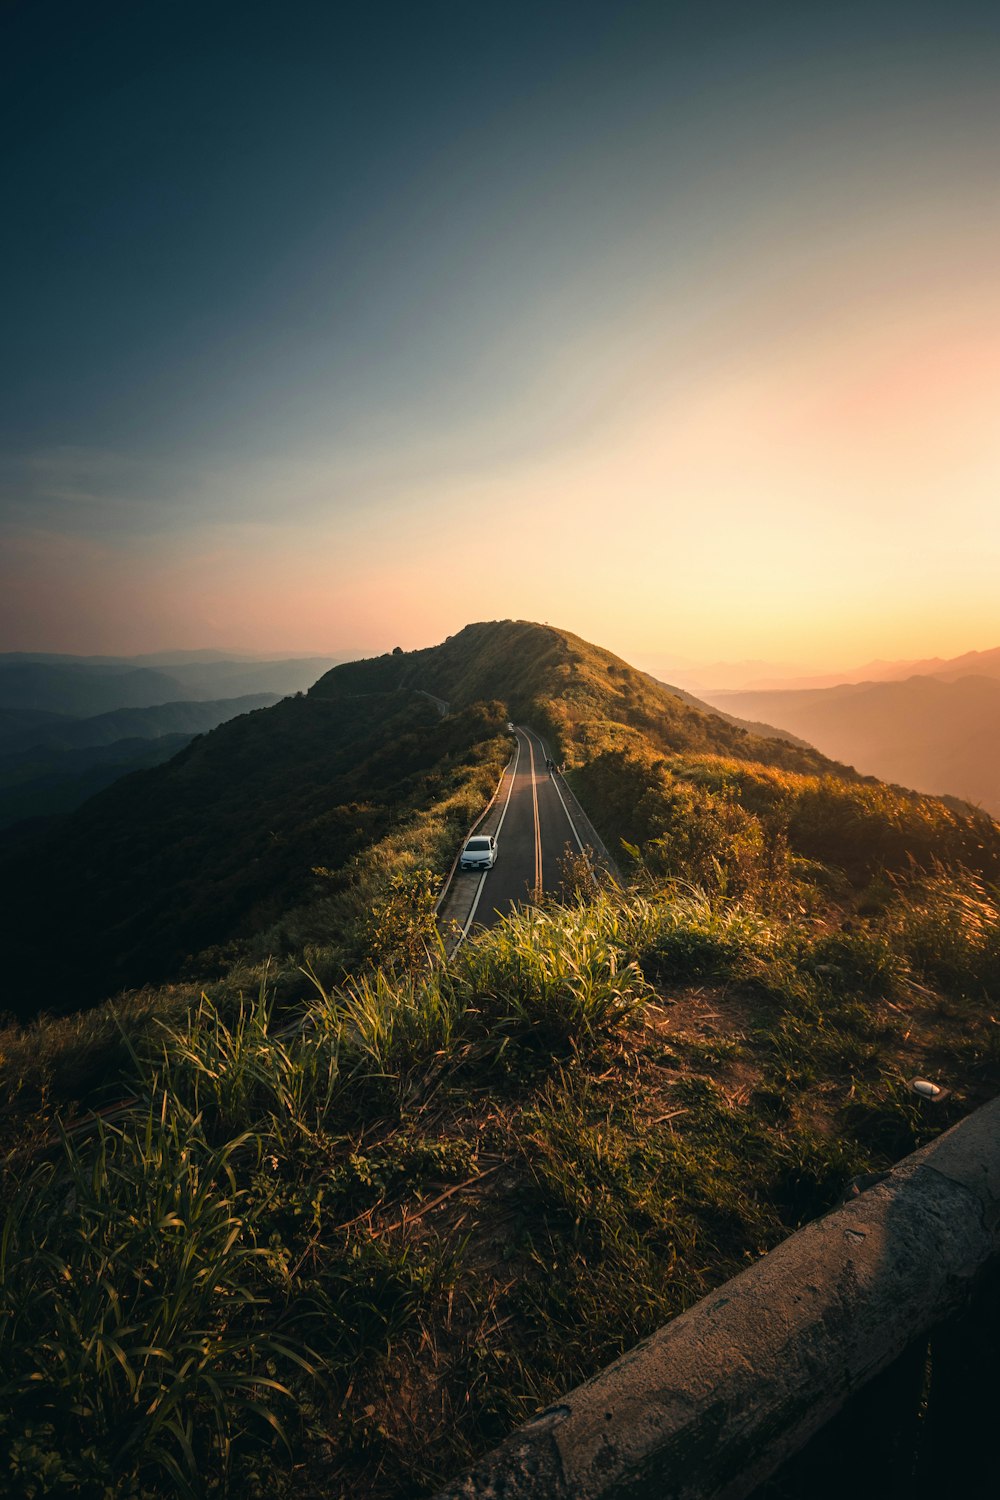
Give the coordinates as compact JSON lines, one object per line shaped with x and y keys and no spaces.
{"x":969,"y":663}
{"x":56,"y":765}
{"x":216,"y":851}
{"x":565,"y":683}
{"x":83,"y":687}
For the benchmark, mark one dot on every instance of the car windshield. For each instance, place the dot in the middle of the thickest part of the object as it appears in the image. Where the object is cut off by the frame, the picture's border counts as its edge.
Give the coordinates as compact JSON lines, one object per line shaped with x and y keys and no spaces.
{"x":478,"y":846}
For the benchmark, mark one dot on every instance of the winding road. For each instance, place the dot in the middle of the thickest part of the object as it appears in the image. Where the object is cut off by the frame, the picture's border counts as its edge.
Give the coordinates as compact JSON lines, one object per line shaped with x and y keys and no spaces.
{"x":534,"y":830}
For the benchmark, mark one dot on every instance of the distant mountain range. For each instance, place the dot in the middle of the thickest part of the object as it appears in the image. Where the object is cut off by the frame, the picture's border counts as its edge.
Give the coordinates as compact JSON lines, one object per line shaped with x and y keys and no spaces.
{"x":83,"y":686}
{"x":752,"y":726}
{"x":51,"y":763}
{"x":71,"y":725}
{"x":936,"y":730}
{"x":760,"y":676}
{"x":62,"y":732}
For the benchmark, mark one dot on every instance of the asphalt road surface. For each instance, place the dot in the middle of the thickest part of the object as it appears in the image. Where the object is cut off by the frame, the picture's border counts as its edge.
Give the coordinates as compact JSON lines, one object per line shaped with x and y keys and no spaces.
{"x":534,"y":834}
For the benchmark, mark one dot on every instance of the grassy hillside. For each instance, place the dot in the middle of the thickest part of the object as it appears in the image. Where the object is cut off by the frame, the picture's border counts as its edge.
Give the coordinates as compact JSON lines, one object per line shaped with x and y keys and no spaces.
{"x":351,"y":1211}
{"x":368,"y":1235}
{"x":585,"y":697}
{"x":214,"y":853}
{"x":651,"y":766}
{"x":217,"y":849}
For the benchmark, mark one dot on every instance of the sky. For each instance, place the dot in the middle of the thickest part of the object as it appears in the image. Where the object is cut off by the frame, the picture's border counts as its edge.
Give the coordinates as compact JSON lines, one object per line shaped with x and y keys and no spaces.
{"x":333,"y":327}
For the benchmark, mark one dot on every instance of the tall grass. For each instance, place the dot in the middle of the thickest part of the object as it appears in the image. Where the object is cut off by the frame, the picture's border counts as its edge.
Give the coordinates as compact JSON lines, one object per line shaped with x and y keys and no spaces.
{"x":394,"y":1025}
{"x":132,"y":1287}
{"x":559,"y":976}
{"x":240,"y":1072}
{"x":949,"y":928}
{"x":693,"y":936}
{"x":270,"y":1206}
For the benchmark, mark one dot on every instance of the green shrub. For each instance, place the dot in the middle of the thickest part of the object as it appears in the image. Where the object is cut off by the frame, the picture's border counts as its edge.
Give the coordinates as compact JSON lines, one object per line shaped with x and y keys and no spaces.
{"x":401,"y":929}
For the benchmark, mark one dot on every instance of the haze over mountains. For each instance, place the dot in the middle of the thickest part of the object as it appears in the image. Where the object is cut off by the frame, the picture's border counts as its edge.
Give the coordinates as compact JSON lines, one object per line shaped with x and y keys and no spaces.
{"x":933,"y":725}
{"x":81,"y":686}
{"x":69,"y":726}
{"x":59,"y":762}
{"x":752,"y":726}
{"x":712,"y":678}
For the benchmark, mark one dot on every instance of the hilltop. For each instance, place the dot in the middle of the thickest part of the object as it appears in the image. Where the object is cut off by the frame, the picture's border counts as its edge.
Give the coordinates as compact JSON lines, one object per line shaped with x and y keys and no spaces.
{"x":213,"y":853}
{"x":586,"y":698}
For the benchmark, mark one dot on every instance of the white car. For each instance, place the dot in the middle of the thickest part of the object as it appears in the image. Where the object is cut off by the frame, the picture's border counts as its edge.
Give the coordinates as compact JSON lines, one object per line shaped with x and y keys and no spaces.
{"x":480,"y":852}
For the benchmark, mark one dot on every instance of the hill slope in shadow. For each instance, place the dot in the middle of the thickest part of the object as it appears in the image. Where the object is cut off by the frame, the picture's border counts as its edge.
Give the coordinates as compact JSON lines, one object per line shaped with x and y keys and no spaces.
{"x":222,"y":842}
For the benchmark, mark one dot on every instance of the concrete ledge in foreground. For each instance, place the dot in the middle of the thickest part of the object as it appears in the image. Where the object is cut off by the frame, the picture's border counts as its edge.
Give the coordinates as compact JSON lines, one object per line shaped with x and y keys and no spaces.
{"x":711,"y":1404}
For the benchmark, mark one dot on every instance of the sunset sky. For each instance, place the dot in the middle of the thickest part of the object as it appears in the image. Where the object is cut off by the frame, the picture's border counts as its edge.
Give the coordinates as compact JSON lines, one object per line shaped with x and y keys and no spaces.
{"x":333,"y":327}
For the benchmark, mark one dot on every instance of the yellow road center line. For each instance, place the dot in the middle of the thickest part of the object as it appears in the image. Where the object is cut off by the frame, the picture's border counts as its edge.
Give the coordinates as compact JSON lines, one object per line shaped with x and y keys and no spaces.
{"x":538,"y":826}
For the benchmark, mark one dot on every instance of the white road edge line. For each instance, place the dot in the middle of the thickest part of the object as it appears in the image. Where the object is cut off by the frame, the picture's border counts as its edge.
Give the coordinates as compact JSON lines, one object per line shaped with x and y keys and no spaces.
{"x":482,"y":879}
{"x":562,"y":799}
{"x":536,"y":889}
{"x":485,"y":812}
{"x":510,"y":790}
{"x":465,"y":930}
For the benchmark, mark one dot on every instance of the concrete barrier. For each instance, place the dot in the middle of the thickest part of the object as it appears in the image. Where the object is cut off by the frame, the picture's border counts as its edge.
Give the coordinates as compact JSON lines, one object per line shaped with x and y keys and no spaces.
{"x":709,"y":1406}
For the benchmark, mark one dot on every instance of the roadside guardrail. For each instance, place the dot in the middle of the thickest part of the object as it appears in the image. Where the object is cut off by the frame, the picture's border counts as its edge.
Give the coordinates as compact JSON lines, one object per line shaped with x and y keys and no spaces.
{"x":709,"y":1406}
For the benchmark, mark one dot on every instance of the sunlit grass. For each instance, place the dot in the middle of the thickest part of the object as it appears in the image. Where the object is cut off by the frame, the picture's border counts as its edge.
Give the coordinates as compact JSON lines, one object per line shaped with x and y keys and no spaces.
{"x":242,"y":1270}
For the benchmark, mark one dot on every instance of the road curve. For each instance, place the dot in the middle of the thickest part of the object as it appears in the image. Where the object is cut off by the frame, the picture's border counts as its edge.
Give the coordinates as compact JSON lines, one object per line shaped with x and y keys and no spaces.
{"x":533,"y":831}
